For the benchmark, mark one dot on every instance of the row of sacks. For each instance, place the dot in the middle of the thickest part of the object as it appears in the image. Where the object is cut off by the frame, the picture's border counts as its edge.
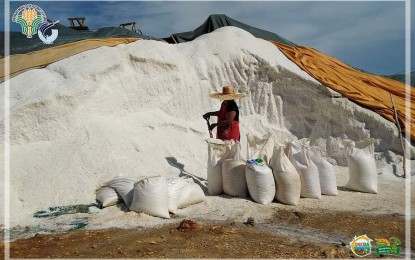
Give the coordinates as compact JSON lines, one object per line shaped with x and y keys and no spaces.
{"x":289,"y":171}
{"x":276,"y":177}
{"x":361,"y":163}
{"x":156,"y":196}
{"x":306,"y":158}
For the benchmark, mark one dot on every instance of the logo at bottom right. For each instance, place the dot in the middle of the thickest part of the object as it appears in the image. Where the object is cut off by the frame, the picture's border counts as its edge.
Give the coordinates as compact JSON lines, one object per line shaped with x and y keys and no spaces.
{"x":388,"y":246}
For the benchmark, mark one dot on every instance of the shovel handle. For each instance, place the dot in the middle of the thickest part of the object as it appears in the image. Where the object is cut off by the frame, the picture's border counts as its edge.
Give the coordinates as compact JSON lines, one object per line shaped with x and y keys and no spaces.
{"x":208,"y":124}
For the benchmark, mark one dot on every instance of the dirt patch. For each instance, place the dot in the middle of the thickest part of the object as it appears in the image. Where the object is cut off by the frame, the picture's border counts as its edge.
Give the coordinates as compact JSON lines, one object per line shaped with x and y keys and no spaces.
{"x":191,"y":239}
{"x":346,"y":225}
{"x":207,"y":241}
{"x":188,"y":225}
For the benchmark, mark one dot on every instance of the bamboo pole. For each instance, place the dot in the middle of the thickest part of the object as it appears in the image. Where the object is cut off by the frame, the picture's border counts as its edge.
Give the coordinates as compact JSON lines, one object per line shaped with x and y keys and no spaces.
{"x":400,"y":135}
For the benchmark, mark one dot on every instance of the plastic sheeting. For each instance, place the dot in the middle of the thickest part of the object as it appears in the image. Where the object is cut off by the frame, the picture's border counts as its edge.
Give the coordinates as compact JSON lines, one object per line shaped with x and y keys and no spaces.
{"x":366,"y":89}
{"x":20,"y":63}
{"x":216,"y":21}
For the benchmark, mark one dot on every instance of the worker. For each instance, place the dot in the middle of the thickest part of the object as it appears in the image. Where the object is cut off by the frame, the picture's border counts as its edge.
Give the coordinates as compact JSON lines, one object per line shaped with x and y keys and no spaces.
{"x":228,"y":115}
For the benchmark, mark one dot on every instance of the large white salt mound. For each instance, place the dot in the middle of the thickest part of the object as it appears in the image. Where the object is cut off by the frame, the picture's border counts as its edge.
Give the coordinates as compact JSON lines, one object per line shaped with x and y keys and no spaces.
{"x":132,"y":109}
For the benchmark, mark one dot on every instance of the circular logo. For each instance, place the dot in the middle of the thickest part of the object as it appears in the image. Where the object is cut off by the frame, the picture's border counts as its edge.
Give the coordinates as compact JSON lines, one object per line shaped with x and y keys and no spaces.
{"x":29,"y":17}
{"x":47,"y":39}
{"x":361,"y":246}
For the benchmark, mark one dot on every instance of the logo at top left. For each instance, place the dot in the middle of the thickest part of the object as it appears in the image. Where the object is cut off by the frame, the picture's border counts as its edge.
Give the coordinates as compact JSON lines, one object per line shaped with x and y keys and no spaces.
{"x":33,"y":21}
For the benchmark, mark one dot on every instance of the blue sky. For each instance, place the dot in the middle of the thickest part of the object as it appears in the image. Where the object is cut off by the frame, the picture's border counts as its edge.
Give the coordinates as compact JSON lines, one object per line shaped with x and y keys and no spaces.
{"x":367,"y":35}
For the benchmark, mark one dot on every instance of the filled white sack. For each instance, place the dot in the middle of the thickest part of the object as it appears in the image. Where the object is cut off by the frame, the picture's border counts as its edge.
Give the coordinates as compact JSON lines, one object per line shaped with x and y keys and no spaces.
{"x":217,"y":152}
{"x":107,"y":196}
{"x":176,"y":186}
{"x":233,"y":173}
{"x":260,"y":147}
{"x":234,"y":180}
{"x":191,"y":194}
{"x":327,"y":176}
{"x":151,"y":197}
{"x":287,"y":179}
{"x":362,"y":166}
{"x":124,"y":186}
{"x":310,"y":181}
{"x":260,"y":182}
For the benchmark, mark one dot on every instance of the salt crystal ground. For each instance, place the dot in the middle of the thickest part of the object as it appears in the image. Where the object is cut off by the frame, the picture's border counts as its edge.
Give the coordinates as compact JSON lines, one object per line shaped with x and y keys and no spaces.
{"x":132,"y":107}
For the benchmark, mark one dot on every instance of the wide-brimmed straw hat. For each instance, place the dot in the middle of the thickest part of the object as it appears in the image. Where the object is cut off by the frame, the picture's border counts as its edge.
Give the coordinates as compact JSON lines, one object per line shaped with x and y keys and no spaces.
{"x":228,"y":93}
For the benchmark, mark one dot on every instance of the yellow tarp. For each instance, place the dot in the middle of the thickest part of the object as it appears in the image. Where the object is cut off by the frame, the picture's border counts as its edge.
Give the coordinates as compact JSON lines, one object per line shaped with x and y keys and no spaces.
{"x":38,"y":59}
{"x":369,"y":90}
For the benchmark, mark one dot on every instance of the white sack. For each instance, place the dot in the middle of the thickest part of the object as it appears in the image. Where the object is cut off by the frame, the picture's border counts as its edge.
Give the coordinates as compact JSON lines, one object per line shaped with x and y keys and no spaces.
{"x":362,"y":167}
{"x":217,"y":152}
{"x":260,"y":182}
{"x":326,"y":172}
{"x":124,"y":186}
{"x":233,"y":174}
{"x":191,"y":194}
{"x":151,"y":197}
{"x":176,"y":186}
{"x":310,"y":182}
{"x":260,"y":147}
{"x":235,"y":151}
{"x":107,"y":196}
{"x":296,"y":146}
{"x":287,"y":179}
{"x":234,"y":181}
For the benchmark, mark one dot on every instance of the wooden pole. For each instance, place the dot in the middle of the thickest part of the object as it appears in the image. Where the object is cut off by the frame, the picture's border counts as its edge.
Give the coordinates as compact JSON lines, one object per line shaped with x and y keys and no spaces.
{"x":400,"y":135}
{"x":210,"y":131}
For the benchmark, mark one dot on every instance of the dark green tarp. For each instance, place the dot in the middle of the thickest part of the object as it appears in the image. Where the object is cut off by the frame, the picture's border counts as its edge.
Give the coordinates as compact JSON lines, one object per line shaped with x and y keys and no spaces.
{"x":216,"y":21}
{"x":20,"y":44}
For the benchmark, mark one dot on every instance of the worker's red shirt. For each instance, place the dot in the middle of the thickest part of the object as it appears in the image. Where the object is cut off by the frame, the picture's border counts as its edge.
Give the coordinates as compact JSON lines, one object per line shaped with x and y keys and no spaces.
{"x":232,"y":132}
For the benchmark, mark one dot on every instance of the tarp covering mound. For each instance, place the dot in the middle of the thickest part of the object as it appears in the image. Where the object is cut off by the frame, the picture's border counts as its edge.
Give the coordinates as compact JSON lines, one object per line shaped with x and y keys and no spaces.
{"x":22,"y":62}
{"x":216,"y":21}
{"x":20,"y":44}
{"x":27,"y":53}
{"x":371,"y":91}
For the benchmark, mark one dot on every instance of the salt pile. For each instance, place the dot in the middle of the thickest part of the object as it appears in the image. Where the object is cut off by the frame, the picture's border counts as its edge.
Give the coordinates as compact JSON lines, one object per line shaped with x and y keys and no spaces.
{"x":130,"y":109}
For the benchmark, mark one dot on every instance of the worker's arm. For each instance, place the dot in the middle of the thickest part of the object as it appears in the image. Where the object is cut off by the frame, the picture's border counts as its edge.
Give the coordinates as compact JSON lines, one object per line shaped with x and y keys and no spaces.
{"x":209,"y":114}
{"x":230,"y":116}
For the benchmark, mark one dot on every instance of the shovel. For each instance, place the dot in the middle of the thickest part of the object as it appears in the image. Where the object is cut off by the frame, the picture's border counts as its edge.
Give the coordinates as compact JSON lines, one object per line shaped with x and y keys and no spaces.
{"x":210,"y":131}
